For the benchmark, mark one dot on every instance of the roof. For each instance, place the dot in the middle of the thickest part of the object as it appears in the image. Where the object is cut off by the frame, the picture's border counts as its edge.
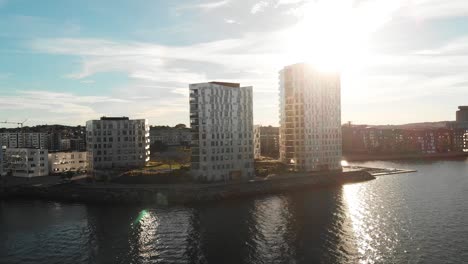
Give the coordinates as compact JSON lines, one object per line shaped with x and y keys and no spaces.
{"x":234,"y":85}
{"x":114,"y":118}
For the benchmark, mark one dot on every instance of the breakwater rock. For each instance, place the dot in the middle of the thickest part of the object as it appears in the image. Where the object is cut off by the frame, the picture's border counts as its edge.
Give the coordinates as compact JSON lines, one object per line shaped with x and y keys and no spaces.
{"x":182,"y":193}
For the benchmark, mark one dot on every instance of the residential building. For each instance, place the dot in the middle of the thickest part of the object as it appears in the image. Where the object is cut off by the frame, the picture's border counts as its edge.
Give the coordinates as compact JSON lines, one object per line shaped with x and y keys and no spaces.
{"x":117,"y":142}
{"x":361,"y":139}
{"x":257,"y":143}
{"x":266,"y":141}
{"x":2,"y":161}
{"x":74,"y":161}
{"x":77,"y":144}
{"x":310,"y":118}
{"x":23,"y":140}
{"x":65,"y":144}
{"x":221,"y":120}
{"x":55,"y":139}
{"x":171,"y":136}
{"x":27,"y":162}
{"x":460,"y":129}
{"x":462,"y":114}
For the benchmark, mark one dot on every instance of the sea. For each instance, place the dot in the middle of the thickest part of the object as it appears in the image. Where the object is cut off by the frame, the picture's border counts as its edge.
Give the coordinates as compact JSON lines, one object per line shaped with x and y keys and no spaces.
{"x":419,"y":217}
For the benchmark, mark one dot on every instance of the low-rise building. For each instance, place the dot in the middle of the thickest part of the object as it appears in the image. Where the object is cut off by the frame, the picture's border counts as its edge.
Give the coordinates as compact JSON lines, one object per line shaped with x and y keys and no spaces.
{"x":117,"y":142}
{"x":60,"y":162}
{"x":26,"y":162}
{"x":361,"y":139}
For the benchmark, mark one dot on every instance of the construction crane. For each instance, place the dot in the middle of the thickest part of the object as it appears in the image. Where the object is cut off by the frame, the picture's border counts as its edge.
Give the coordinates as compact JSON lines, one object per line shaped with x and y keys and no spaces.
{"x":17,"y":123}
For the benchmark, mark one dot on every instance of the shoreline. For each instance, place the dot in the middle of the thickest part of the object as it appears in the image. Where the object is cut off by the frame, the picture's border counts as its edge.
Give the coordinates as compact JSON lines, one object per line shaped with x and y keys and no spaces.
{"x":379,"y":157}
{"x":180,"y":194}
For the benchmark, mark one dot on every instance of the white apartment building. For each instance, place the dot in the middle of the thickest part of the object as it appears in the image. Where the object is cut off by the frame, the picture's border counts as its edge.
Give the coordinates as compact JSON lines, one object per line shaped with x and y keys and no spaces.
{"x":222,"y":126}
{"x":310,"y":118}
{"x":117,"y":142}
{"x":75,"y":161}
{"x":24,"y":140}
{"x":26,"y":162}
{"x":257,"y":142}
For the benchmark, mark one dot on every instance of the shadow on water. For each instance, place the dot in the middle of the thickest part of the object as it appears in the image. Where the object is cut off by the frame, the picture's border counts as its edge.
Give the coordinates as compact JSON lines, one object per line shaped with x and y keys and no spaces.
{"x":305,"y":227}
{"x":111,"y":237}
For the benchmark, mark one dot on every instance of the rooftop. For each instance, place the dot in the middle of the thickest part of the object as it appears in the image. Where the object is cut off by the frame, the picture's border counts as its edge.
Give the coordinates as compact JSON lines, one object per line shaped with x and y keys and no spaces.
{"x":114,"y":118}
{"x":463,"y":107}
{"x":234,"y":85}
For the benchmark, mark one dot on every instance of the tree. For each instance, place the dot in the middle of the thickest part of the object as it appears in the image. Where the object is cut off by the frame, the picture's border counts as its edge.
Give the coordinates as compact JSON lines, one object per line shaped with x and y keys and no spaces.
{"x":174,"y":156}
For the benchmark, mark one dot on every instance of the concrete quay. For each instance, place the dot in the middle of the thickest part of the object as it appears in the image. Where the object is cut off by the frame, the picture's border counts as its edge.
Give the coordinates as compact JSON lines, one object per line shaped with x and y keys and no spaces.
{"x":166,"y":195}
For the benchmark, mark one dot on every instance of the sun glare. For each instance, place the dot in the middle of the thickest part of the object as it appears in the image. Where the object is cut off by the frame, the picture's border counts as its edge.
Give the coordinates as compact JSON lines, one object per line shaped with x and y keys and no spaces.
{"x":331,"y":35}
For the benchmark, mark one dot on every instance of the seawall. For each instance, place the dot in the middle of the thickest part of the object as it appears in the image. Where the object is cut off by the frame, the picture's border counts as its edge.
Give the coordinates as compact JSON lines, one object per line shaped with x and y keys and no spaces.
{"x":181,"y":193}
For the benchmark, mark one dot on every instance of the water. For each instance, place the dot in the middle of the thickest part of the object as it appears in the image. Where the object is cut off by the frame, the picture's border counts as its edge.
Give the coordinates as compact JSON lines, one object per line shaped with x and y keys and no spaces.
{"x":408,"y":218}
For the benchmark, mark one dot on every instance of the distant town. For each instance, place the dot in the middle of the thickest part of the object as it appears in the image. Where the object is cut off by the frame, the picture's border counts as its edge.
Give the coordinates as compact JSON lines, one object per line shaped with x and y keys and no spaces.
{"x":221,"y":143}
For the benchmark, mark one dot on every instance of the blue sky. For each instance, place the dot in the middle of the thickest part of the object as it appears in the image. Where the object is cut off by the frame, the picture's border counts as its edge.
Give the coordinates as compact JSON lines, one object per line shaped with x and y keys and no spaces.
{"x":69,"y":61}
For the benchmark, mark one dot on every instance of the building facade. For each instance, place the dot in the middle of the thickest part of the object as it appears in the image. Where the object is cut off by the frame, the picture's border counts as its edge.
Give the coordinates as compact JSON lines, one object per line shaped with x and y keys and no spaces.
{"x":361,"y":139}
{"x":221,"y":122}
{"x":77,"y":144}
{"x":24,"y":140}
{"x":257,"y":143}
{"x":310,"y":118}
{"x":117,"y":142}
{"x":170,"y":136}
{"x":60,"y":162}
{"x":266,"y":141}
{"x":24,"y":162}
{"x":462,"y":114}
{"x":460,"y":129}
{"x":2,"y":161}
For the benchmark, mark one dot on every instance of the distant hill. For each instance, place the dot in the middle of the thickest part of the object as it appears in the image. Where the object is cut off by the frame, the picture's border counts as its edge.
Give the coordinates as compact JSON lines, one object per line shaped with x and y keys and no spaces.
{"x":423,"y":125}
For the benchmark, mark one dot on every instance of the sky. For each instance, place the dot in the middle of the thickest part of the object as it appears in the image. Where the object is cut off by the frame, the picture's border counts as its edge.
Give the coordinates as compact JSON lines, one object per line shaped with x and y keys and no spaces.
{"x":66,"y":61}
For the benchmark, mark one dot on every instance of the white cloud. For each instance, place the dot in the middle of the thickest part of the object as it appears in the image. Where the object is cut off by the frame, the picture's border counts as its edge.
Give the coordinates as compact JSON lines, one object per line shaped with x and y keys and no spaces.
{"x":433,"y":9}
{"x":230,"y":21}
{"x":205,"y":6}
{"x":259,"y":7}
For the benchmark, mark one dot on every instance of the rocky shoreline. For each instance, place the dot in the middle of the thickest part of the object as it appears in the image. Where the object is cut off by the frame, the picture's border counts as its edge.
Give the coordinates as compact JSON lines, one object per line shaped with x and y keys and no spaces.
{"x":176,"y":194}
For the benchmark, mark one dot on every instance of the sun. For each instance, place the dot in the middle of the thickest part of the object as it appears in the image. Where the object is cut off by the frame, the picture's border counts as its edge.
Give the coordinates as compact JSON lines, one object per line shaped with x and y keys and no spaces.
{"x":331,"y":35}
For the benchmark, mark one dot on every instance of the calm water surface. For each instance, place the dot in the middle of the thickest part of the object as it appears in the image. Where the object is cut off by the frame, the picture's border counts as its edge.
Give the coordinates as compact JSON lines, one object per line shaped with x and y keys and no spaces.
{"x":408,"y":218}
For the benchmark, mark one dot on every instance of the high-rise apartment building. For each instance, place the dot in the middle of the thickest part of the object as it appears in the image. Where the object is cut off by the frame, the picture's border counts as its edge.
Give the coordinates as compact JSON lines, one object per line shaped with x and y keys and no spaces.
{"x":310,"y":118}
{"x":222,"y":126}
{"x":266,"y":141}
{"x":117,"y":142}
